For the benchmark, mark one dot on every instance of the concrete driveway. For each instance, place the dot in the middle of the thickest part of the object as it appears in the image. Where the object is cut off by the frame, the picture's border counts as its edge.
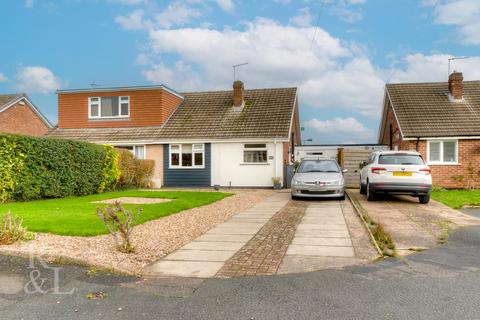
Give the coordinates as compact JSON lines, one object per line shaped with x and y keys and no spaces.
{"x":413,"y":226}
{"x":276,"y":236}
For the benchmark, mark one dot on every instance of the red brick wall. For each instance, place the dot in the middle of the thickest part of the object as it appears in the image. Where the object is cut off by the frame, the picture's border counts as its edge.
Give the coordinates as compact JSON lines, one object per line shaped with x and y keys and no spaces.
{"x":442,"y":175}
{"x":147,"y":108}
{"x":21,"y":119}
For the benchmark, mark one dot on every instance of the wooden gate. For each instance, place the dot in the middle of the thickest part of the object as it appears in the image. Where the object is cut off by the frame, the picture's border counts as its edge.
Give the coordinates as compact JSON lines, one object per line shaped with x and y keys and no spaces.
{"x":350,"y":159}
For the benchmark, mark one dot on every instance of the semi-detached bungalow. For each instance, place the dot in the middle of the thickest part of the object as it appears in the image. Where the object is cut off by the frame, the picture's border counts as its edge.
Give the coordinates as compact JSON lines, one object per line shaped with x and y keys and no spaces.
{"x":238,"y":138}
{"x":441,"y":120}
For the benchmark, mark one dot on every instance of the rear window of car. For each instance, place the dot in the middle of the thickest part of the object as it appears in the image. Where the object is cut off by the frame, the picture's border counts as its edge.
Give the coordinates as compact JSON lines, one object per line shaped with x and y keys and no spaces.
{"x":401,"y":159}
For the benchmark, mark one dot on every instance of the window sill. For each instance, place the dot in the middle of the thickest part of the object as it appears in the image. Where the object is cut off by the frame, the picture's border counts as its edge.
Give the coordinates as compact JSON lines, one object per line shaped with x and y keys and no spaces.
{"x":254,"y":164}
{"x":185,"y":168}
{"x":110,"y":119}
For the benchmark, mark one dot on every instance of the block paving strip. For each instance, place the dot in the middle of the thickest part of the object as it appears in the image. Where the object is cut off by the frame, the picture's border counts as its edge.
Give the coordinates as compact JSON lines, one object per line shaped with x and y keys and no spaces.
{"x":264,"y":253}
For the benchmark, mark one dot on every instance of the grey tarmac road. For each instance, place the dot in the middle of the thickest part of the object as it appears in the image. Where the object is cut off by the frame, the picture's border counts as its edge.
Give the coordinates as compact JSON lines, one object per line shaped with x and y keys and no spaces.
{"x":441,"y":283}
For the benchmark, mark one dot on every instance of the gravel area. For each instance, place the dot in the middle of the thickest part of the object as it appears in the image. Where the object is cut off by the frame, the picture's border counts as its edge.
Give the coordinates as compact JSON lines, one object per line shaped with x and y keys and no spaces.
{"x":153,"y":239}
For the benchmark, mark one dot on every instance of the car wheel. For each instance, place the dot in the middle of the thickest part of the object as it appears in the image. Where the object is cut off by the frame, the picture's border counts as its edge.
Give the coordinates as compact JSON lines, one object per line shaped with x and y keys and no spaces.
{"x":362,"y":187}
{"x":294,"y":197}
{"x":370,"y":193}
{"x":424,"y":199}
{"x":342,"y":197}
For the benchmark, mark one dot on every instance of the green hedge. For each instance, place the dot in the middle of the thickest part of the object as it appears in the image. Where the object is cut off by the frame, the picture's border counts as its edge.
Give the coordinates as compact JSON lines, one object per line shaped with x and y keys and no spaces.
{"x":38,"y":168}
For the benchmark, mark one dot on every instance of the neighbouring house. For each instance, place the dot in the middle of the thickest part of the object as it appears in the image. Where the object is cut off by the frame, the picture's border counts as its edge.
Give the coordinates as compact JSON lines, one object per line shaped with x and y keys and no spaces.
{"x":441,"y":121}
{"x":238,"y":138}
{"x":19,"y":115}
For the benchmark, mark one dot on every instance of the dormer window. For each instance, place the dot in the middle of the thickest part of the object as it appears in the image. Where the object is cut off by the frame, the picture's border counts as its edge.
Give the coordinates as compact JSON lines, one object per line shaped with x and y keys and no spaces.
{"x":108,"y":107}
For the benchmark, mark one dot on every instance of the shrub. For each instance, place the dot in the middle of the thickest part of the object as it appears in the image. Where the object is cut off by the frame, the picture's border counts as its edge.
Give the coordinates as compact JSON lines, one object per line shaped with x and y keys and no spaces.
{"x":110,"y":172}
{"x":119,"y":222}
{"x":12,"y":162}
{"x":135,"y":173}
{"x":37,"y":167}
{"x":12,"y":230}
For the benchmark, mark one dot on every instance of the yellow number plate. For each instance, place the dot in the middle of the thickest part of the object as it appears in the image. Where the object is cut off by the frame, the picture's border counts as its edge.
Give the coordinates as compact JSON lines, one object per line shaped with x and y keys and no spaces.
{"x":401,"y":174}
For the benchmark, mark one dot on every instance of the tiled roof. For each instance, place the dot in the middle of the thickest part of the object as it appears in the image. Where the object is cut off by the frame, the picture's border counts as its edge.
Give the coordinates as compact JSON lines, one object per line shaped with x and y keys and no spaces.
{"x":6,"y":98}
{"x":110,"y":134}
{"x":267,"y":114}
{"x":209,"y":115}
{"x":425,"y":110}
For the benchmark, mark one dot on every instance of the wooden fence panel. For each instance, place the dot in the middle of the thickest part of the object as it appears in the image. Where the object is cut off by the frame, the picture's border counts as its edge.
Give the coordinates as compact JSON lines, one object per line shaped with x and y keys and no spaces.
{"x":351,"y":161}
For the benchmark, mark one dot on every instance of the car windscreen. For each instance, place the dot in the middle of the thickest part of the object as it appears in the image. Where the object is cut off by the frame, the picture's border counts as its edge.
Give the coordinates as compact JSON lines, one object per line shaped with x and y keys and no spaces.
{"x":318,"y":166}
{"x":401,"y":159}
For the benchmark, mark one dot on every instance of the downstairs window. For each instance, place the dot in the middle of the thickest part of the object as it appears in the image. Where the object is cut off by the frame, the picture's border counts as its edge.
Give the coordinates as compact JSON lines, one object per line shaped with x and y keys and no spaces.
{"x":442,"y":151}
{"x":187,"y":155}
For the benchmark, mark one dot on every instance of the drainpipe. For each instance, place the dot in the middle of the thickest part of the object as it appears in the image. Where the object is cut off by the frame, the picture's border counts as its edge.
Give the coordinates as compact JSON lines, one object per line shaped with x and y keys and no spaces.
{"x":275,"y":159}
{"x":418,"y":141}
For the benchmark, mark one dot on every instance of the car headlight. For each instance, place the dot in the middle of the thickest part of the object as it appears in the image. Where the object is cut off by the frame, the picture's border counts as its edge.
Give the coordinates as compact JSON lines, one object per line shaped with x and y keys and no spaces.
{"x":296,"y":182}
{"x":337,"y":182}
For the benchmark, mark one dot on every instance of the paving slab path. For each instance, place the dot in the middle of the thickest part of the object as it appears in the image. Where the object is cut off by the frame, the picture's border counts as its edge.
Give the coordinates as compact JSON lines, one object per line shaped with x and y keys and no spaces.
{"x":322,"y":240}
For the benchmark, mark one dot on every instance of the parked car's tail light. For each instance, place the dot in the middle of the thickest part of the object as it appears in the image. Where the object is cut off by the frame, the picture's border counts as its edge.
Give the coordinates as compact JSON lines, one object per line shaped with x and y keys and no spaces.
{"x":378,"y":170}
{"x":427,"y":171}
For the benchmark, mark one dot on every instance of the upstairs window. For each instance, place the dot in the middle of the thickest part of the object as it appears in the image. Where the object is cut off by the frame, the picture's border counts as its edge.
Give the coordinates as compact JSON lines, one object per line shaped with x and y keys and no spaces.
{"x":442,"y":152}
{"x":187,"y":155}
{"x":108,"y":107}
{"x":255,"y":153}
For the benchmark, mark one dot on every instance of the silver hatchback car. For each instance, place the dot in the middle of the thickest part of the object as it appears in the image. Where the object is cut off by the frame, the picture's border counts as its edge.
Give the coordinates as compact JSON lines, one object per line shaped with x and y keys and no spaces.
{"x":318,"y":178}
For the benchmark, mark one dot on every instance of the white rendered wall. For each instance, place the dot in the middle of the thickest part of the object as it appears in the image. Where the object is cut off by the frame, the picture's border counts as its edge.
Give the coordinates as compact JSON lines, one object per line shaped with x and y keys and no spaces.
{"x":228,"y":167}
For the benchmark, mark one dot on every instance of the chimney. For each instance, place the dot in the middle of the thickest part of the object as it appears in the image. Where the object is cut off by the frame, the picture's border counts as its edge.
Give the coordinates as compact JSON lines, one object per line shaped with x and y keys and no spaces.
{"x":238,"y":94}
{"x":455,"y":86}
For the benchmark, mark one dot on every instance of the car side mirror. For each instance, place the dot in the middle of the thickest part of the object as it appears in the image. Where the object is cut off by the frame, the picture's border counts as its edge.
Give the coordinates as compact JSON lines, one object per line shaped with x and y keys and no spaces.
{"x":345,"y":170}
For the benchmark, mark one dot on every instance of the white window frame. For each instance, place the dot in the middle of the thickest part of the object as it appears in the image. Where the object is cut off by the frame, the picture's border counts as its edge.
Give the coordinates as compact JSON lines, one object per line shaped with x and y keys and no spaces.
{"x":254,"y":149}
{"x":99,"y":102}
{"x":442,"y":162}
{"x":134,"y":151}
{"x":200,"y":148}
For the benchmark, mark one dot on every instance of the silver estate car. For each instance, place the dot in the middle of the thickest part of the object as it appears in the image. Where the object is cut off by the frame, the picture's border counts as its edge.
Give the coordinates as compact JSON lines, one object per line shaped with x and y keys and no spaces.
{"x":318,"y":178}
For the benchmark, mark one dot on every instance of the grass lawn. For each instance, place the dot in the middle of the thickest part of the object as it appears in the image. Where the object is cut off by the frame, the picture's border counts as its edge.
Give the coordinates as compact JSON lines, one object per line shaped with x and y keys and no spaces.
{"x":457,"y":198}
{"x":75,"y":216}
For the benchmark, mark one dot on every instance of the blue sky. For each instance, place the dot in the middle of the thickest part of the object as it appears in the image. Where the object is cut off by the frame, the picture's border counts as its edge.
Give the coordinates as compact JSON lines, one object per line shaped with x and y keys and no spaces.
{"x":339,"y":53}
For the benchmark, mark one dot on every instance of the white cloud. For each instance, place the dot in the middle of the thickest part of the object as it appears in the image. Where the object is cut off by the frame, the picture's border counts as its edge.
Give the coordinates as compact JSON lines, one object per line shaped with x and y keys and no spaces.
{"x":345,"y":10}
{"x":303,"y":19}
{"x":356,"y":86}
{"x":226,"y":5}
{"x":463,"y":14}
{"x":426,"y":68}
{"x":28,"y":4}
{"x":36,"y":79}
{"x":331,"y":75}
{"x":176,"y":13}
{"x":133,"y":21}
{"x":328,"y":74}
{"x":3,"y":78}
{"x":343,"y":129}
{"x":181,"y":75}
